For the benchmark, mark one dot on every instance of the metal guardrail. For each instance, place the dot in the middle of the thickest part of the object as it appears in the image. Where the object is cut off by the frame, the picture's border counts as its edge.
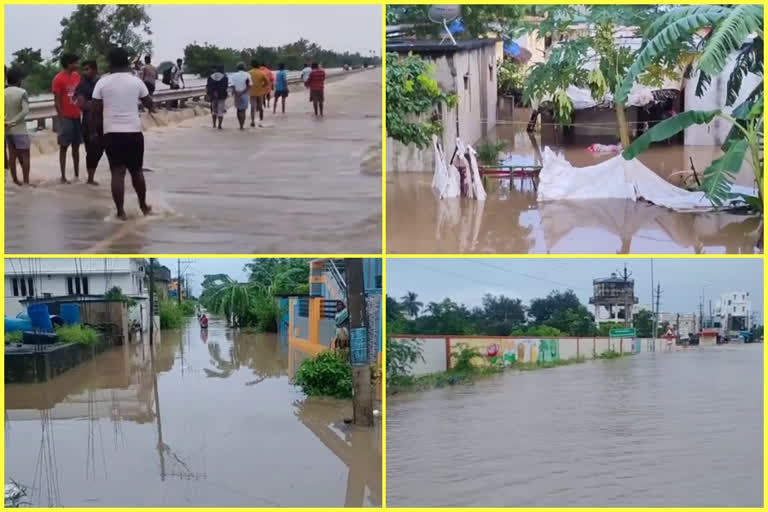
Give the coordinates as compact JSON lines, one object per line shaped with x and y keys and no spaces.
{"x":42,"y":110}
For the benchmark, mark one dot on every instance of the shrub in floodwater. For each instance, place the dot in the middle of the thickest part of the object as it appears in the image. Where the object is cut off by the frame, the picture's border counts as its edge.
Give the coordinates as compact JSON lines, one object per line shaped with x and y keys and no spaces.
{"x":609,"y":354}
{"x":187,"y":308}
{"x":488,"y":152}
{"x":78,"y":334}
{"x":170,"y":315}
{"x":327,"y":374}
{"x":14,"y":337}
{"x":463,"y":359}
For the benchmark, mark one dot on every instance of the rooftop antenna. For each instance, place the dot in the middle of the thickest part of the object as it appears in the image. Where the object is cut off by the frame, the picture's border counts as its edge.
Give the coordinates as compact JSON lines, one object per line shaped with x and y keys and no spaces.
{"x":443,"y":14}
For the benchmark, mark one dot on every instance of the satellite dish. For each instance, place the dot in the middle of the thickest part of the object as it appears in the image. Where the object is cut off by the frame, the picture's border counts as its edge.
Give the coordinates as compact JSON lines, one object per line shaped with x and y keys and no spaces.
{"x":442,"y":14}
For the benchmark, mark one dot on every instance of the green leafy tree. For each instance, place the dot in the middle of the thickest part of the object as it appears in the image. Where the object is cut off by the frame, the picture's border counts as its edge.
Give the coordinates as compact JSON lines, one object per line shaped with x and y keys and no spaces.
{"x":642,"y":321}
{"x":476,"y":20}
{"x":93,"y":29}
{"x":414,"y":100}
{"x":38,"y":73}
{"x":410,"y":304}
{"x":501,"y":315}
{"x":568,"y":60}
{"x":545,"y":308}
{"x":728,"y":29}
{"x":537,"y":330}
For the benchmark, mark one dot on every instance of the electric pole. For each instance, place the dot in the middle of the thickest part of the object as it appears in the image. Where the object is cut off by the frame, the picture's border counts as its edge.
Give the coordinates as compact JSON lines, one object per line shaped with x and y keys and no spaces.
{"x":151,"y":301}
{"x":656,"y":316}
{"x":362,"y":390}
{"x":627,"y":309}
{"x":178,"y":280}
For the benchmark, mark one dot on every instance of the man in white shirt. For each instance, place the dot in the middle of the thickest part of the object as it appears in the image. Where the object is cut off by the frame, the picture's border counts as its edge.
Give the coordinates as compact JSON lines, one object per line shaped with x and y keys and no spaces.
{"x":305,"y":77}
{"x":241,"y":85}
{"x":116,"y":106}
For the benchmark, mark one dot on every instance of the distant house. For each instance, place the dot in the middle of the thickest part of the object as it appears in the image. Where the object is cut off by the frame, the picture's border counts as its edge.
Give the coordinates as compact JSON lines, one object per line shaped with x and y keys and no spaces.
{"x":467,"y":69}
{"x":162,"y":277}
{"x":27,"y":278}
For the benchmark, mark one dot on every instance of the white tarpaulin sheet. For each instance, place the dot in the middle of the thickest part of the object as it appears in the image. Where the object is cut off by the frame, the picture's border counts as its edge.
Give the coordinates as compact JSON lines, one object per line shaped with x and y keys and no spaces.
{"x":615,"y":178}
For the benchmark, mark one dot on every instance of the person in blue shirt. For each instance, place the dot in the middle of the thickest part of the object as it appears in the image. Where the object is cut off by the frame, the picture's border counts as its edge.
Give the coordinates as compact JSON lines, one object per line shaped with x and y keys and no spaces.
{"x":281,"y":88}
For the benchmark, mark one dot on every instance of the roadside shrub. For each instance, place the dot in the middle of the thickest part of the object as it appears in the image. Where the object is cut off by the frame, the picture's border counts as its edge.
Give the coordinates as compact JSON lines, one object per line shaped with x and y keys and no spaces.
{"x":488,"y":152}
{"x":78,"y":334}
{"x":14,"y":337}
{"x":187,"y":308}
{"x":609,"y":354}
{"x":464,"y":357}
{"x":170,"y":315}
{"x":327,"y":374}
{"x":401,"y":355}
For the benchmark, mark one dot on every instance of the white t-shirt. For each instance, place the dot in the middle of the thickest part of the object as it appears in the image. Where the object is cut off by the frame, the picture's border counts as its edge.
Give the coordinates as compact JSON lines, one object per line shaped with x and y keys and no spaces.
{"x":305,"y":73}
{"x":238,"y":81}
{"x":120,"y":93}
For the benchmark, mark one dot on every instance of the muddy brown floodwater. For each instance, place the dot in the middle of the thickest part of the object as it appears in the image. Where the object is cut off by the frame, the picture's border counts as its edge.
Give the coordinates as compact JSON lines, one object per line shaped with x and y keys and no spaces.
{"x":215,"y":422}
{"x":511,"y":221}
{"x":681,"y":429}
{"x":299,"y":184}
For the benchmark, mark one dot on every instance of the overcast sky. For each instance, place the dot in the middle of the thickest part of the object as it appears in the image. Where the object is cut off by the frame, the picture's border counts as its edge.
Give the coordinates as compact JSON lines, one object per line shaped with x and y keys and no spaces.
{"x":196,"y":268}
{"x":356,"y":28}
{"x":466,"y":280}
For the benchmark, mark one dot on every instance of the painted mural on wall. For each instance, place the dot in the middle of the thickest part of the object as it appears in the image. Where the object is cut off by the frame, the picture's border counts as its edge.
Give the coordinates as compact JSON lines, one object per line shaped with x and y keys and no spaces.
{"x":509,"y":351}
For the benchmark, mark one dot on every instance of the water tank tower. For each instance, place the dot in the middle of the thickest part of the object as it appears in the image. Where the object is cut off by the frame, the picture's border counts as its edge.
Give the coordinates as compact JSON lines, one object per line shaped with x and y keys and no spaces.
{"x":613,"y":298}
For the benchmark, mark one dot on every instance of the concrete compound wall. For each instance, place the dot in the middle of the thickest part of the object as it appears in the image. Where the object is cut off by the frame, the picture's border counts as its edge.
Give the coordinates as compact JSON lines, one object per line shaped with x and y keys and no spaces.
{"x":436,"y":350}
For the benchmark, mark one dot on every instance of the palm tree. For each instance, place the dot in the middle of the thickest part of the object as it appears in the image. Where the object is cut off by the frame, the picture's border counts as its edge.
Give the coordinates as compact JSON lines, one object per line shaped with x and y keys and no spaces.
{"x":411,"y":305}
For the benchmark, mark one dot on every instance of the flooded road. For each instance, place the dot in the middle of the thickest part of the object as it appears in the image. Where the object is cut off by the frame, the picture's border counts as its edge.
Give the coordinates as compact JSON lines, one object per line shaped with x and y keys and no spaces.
{"x":511,"y":221}
{"x":217,"y":423}
{"x":661,"y":429}
{"x":297,"y":185}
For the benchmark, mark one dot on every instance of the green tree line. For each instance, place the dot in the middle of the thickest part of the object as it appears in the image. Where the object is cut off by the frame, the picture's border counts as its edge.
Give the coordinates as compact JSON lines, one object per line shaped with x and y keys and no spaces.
{"x":255,"y":303}
{"x":557,"y":314}
{"x":199,"y":59}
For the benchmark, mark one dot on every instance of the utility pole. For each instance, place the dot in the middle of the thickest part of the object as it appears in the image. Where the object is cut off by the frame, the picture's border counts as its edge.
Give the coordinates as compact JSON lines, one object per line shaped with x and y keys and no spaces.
{"x":178,"y":280}
{"x":653,"y":310}
{"x":656,"y":316}
{"x":362,"y":390}
{"x":626,"y":275}
{"x":151,"y":302}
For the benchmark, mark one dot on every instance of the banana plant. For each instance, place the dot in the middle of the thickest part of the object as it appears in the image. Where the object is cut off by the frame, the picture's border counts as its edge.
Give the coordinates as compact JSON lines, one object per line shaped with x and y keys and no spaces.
{"x":729,"y":29}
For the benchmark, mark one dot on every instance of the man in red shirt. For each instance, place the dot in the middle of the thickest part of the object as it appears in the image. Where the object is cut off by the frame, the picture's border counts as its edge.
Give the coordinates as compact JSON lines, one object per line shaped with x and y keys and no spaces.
{"x":316,"y":88}
{"x":69,"y":129}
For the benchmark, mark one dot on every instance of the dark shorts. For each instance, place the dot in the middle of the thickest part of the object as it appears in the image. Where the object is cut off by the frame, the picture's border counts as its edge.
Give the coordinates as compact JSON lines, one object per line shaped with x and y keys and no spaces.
{"x":316,"y":95}
{"x":18,"y":142}
{"x":124,"y":150}
{"x":150,"y":87}
{"x":94,"y":149}
{"x":284,"y":94}
{"x":70,"y":131}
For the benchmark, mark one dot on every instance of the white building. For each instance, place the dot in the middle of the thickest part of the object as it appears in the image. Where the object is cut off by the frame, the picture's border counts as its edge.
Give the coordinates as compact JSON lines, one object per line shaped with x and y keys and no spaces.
{"x":734,"y":311}
{"x":468,"y":70}
{"x":56,"y":277}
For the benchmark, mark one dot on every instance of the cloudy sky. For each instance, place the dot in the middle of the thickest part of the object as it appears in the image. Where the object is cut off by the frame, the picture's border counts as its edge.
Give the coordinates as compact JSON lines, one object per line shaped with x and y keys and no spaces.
{"x":335,"y":27}
{"x":466,"y":280}
{"x":196,"y":268}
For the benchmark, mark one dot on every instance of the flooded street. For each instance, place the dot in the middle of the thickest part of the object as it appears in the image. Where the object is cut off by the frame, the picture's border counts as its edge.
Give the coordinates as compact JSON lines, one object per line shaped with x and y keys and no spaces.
{"x":297,"y":185}
{"x":209,"y":419}
{"x":512,"y":221}
{"x":660,"y":429}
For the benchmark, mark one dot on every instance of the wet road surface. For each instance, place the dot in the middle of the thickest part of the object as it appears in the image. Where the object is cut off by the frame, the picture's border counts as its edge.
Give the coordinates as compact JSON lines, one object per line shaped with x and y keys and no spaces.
{"x":217,"y":423}
{"x":663,"y":429}
{"x":297,"y":185}
{"x":511,"y":221}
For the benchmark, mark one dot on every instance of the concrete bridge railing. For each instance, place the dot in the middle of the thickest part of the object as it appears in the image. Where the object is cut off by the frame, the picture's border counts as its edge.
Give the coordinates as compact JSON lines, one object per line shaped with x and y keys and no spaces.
{"x":43,"y":110}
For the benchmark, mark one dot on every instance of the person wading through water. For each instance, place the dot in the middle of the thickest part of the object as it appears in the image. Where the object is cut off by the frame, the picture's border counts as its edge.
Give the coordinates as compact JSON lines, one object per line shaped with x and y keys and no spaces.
{"x":68,"y":126}
{"x":115,"y":108}
{"x":217,"y":91}
{"x":93,"y":141}
{"x":17,"y":141}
